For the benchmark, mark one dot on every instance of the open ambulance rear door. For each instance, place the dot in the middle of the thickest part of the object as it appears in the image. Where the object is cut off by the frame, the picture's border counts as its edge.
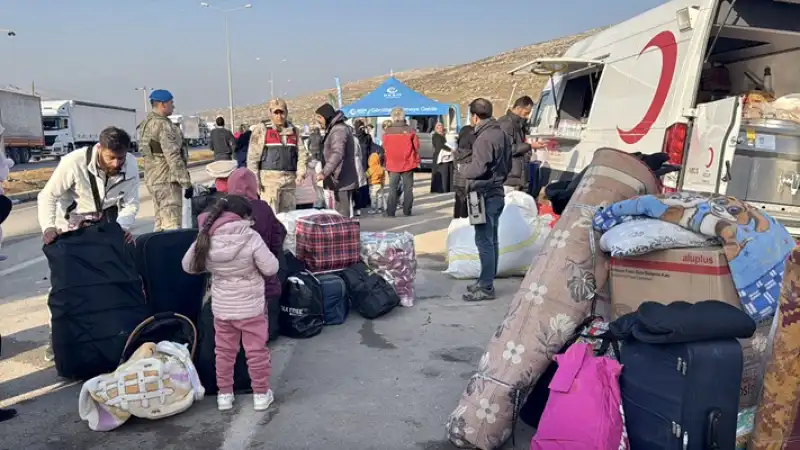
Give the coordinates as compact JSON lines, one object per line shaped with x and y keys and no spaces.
{"x":712,"y":144}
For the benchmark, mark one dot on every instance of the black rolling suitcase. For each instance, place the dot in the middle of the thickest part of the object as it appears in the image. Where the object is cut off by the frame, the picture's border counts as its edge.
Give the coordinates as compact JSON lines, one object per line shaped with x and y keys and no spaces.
{"x":167,"y":287}
{"x":681,"y":396}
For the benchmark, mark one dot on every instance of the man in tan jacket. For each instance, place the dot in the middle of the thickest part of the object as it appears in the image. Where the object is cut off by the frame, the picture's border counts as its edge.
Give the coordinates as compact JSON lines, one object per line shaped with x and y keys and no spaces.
{"x":278,"y":157}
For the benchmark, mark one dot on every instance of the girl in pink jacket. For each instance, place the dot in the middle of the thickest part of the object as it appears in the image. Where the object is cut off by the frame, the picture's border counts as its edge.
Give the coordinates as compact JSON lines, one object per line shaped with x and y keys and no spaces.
{"x":238,"y":260}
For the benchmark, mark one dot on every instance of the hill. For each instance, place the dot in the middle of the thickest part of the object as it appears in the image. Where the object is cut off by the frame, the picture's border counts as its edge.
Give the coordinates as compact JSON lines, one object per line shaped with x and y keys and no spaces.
{"x":457,"y":84}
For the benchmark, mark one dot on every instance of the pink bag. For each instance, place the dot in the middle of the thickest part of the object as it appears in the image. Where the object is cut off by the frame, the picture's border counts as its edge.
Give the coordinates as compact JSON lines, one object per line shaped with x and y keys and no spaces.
{"x":584,"y":410}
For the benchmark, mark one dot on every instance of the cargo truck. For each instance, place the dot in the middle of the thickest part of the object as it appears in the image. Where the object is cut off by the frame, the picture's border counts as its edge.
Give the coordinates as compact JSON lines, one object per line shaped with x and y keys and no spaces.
{"x":71,"y":124}
{"x":194,"y":133}
{"x":21,"y":118}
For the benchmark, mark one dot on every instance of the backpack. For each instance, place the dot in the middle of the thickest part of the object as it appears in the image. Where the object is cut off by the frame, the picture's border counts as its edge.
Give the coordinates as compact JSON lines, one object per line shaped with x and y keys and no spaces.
{"x":584,"y":410}
{"x":370,"y":294}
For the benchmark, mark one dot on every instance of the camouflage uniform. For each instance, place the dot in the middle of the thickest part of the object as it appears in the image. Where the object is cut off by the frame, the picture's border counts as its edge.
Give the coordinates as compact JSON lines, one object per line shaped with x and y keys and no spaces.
{"x":277,"y":187}
{"x":165,"y":173}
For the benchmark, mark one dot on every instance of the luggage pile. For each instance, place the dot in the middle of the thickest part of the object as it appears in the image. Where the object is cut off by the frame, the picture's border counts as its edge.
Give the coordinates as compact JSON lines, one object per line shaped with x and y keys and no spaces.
{"x":690,"y":338}
{"x":330,"y":268}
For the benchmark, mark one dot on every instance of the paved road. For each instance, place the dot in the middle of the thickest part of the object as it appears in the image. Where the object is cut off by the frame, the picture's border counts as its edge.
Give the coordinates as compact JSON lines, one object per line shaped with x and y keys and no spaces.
{"x":385,"y":384}
{"x":51,"y":162}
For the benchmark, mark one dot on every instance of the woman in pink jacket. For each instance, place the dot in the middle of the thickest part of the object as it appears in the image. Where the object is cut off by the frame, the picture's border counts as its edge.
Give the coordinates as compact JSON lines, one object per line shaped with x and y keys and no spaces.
{"x":238,"y":260}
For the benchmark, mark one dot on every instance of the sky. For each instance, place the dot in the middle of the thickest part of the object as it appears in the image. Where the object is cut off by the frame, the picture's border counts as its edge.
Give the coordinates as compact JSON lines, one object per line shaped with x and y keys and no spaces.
{"x":101,"y":50}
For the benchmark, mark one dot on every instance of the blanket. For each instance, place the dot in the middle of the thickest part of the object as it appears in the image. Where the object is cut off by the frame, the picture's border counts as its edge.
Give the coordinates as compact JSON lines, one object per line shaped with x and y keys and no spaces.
{"x":777,"y":421}
{"x":755,"y":244}
{"x":555,"y":296}
{"x":157,"y":381}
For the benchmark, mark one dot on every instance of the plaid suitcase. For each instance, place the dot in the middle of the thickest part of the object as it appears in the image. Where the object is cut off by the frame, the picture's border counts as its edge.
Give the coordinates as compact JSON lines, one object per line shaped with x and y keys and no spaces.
{"x":327,"y":242}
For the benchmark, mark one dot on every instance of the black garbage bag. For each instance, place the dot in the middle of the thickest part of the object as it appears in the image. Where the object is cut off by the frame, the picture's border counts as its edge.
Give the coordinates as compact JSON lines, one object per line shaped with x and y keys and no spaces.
{"x":96,"y":299}
{"x":302,"y":314}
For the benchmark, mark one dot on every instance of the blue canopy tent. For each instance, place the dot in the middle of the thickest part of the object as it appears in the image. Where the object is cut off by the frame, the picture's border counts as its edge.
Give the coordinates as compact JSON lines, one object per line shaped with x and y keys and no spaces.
{"x":392,"y":94}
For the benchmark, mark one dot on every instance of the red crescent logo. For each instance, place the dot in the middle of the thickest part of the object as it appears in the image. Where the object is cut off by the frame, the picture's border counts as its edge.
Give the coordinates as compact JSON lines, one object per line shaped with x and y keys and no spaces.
{"x":711,"y":158}
{"x":665,"y":41}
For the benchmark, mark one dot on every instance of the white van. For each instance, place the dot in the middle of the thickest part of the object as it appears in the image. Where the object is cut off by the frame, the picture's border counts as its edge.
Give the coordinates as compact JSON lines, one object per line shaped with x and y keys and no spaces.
{"x":673,"y":79}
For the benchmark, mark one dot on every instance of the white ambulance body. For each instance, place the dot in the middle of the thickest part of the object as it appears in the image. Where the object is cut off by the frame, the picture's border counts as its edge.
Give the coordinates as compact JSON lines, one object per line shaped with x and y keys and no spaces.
{"x":673,"y":79}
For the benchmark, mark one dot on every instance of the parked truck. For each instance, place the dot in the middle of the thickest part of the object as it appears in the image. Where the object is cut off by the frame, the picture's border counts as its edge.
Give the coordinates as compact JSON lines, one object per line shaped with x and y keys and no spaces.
{"x":21,"y":118}
{"x":194,"y":133}
{"x":71,"y":124}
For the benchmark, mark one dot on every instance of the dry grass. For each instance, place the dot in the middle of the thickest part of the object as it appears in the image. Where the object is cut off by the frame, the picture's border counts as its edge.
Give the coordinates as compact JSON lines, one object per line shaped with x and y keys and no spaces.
{"x":35,"y":179}
{"x":458,"y":84}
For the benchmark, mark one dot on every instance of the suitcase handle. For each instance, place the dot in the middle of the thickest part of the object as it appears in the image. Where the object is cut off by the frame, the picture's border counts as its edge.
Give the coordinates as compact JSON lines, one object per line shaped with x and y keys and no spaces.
{"x":712,"y":434}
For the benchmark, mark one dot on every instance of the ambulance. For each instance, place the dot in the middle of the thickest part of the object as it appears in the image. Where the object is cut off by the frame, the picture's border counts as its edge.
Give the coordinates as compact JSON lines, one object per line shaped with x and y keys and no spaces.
{"x":681,"y":79}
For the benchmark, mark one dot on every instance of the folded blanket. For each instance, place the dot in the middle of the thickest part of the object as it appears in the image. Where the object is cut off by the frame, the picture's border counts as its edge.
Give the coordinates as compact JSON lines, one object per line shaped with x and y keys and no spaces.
{"x":755,"y":245}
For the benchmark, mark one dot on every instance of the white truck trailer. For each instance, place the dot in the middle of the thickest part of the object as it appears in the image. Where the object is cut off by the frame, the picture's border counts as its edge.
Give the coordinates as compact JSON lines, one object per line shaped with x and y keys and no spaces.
{"x":71,"y":124}
{"x":21,"y":118}
{"x":191,"y":128}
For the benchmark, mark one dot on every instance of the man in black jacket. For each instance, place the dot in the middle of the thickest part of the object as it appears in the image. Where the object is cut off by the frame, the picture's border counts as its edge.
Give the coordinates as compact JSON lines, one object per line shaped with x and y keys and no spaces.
{"x":485,"y":175}
{"x":515,"y":124}
{"x":222,"y":141}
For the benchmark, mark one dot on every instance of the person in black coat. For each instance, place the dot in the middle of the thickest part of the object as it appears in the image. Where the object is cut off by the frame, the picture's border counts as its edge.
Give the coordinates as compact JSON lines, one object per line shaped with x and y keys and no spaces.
{"x":442,"y":173}
{"x":461,"y":157}
{"x":361,"y":198}
{"x":242,"y":144}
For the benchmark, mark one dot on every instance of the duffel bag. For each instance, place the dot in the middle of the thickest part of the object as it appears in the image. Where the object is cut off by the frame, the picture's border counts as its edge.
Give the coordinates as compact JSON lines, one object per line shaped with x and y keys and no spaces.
{"x":302,"y":311}
{"x":370,"y":294}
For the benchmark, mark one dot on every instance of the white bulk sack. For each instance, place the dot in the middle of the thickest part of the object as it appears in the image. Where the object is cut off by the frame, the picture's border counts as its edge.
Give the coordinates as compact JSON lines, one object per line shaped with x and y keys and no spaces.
{"x":521,"y":239}
{"x":289,"y":220}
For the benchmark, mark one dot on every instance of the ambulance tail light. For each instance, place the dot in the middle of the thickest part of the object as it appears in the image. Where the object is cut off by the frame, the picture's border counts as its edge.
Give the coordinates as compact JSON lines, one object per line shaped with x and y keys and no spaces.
{"x":675,"y":143}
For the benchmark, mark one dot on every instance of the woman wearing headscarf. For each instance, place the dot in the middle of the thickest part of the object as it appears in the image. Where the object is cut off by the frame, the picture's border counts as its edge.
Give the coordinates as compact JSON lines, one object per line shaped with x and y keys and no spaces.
{"x":461,"y":157}
{"x":361,"y":198}
{"x":442,"y":173}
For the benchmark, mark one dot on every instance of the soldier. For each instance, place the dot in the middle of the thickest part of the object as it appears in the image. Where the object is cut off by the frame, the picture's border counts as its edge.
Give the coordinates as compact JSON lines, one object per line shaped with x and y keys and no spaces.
{"x":278,"y":158}
{"x":165,"y":173}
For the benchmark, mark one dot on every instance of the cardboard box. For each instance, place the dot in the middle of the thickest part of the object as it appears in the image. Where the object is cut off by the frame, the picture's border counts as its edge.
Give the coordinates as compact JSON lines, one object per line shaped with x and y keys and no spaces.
{"x":689,"y":275}
{"x":665,"y":276}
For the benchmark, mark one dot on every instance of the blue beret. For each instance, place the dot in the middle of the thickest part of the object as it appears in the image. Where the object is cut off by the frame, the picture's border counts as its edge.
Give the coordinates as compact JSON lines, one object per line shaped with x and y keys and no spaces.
{"x":160,"y":95}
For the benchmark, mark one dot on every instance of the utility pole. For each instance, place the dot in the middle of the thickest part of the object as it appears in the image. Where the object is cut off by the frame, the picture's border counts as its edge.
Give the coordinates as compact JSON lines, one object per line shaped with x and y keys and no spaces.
{"x":144,"y":97}
{"x":33,"y":87}
{"x":225,"y":13}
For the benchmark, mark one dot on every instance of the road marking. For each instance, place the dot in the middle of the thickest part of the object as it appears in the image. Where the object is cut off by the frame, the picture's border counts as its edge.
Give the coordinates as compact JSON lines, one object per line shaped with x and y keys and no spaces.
{"x":36,"y":393}
{"x":21,"y":266}
{"x":247,"y":422}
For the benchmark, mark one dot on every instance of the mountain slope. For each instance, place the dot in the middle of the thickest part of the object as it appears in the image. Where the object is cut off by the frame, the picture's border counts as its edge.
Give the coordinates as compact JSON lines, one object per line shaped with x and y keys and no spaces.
{"x":458,"y":84}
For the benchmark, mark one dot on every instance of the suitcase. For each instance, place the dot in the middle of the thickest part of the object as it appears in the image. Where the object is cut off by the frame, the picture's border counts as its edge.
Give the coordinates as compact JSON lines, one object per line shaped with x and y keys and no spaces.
{"x":327,"y":242}
{"x":335,"y":301}
{"x":167,"y":287}
{"x":681,"y":396}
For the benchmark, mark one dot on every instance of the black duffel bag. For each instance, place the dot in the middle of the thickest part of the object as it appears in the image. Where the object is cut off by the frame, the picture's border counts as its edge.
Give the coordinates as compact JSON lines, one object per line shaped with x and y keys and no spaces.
{"x":370,"y":294}
{"x":96,"y":299}
{"x":302,"y":313}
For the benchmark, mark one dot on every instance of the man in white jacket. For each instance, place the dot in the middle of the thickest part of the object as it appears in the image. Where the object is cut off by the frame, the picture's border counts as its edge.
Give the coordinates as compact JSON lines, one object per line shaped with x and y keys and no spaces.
{"x":68,"y":201}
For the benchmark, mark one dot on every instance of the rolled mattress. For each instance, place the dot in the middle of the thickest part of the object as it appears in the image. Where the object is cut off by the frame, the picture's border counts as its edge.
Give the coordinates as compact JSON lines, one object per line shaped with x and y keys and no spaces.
{"x":554,"y":297}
